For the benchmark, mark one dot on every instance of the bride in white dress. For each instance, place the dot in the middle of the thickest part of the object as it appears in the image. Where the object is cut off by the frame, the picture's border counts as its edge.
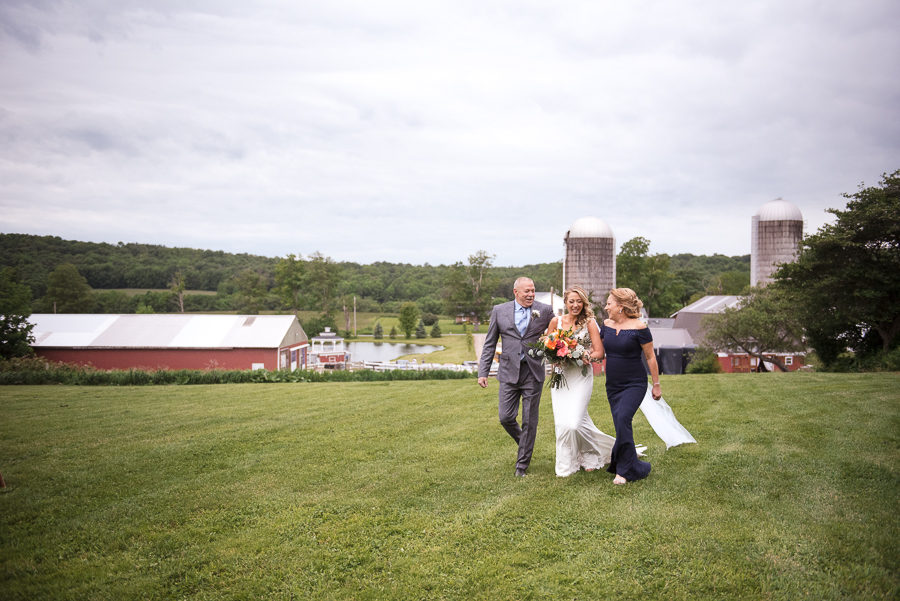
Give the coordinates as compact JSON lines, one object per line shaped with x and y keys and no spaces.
{"x":579,"y":444}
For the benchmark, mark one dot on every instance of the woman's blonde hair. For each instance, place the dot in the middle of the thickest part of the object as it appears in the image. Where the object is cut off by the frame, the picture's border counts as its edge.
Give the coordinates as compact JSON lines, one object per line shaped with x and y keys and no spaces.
{"x":586,"y":311}
{"x":628,"y":300}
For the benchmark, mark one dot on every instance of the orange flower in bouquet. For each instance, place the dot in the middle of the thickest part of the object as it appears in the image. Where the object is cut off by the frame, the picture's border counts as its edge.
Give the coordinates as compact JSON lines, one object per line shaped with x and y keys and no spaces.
{"x":560,"y":348}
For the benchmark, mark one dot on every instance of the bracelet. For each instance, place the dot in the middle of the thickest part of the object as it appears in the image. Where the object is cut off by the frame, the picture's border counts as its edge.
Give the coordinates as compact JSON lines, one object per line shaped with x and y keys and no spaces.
{"x":656,"y":383}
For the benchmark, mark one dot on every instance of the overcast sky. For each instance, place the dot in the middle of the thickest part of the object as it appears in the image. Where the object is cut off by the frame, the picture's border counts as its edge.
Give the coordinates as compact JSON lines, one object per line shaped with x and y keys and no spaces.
{"x":424,"y":131}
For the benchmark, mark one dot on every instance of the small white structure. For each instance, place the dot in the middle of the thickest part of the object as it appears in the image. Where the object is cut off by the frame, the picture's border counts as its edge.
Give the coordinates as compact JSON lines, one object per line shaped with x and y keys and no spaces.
{"x":775,"y":234}
{"x":327,"y":349}
{"x":554,"y":300}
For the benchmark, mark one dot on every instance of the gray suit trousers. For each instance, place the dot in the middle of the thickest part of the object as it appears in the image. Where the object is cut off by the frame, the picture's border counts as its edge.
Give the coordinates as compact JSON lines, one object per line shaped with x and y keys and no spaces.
{"x":528,"y":389}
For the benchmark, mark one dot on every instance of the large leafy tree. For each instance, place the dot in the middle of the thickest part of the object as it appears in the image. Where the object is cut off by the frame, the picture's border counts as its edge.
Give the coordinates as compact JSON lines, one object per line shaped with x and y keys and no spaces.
{"x":845,"y":283}
{"x":289,"y":280}
{"x":67,"y":292}
{"x":15,"y":308}
{"x":729,"y":283}
{"x":322,"y":278}
{"x":251,"y":291}
{"x":764,"y":323}
{"x":469,"y":287}
{"x":690,"y":282}
{"x":409,"y":315}
{"x":649,"y":276}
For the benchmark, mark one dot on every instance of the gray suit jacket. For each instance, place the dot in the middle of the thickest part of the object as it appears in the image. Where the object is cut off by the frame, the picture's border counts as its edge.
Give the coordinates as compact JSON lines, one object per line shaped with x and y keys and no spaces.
{"x":503,"y":323}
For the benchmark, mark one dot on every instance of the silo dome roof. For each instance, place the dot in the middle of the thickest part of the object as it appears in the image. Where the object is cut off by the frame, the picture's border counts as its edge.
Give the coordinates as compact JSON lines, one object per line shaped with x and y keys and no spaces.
{"x":779,"y":210}
{"x":590,"y":227}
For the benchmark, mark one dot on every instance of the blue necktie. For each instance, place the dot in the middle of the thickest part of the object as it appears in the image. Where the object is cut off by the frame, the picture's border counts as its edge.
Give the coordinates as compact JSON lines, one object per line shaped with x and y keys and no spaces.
{"x":521,"y":325}
{"x":522,"y":321}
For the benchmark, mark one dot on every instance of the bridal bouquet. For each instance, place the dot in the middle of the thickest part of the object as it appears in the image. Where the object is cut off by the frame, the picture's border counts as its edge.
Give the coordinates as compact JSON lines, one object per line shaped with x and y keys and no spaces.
{"x":560,"y":348}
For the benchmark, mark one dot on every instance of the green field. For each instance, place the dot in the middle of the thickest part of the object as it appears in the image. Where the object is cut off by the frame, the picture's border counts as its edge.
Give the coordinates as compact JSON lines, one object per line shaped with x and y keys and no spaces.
{"x":404,"y":490}
{"x":455,"y":350}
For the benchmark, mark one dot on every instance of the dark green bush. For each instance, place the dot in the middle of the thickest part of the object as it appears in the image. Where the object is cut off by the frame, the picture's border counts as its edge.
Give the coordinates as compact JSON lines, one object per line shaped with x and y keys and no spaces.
{"x":850,"y":362}
{"x":704,"y":361}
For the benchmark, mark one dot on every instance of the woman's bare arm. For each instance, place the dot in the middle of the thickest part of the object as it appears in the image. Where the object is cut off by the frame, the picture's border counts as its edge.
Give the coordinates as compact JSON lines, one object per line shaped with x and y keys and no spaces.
{"x":654,"y":369}
{"x":553,"y":325}
{"x":597,"y":350}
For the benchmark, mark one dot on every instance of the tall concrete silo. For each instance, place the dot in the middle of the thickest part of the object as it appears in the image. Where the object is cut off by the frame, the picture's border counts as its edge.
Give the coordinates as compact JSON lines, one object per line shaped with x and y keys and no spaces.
{"x":590,"y":258}
{"x":775,"y":234}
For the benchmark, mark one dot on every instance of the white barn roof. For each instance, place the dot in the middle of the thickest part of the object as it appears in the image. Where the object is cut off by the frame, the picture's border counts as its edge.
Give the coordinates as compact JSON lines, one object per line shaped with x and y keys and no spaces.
{"x":711,"y":304}
{"x":671,"y":337}
{"x":165,"y":331}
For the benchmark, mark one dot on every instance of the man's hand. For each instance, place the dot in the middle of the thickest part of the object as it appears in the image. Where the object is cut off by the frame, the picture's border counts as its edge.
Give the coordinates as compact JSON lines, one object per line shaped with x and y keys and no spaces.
{"x":482,"y":382}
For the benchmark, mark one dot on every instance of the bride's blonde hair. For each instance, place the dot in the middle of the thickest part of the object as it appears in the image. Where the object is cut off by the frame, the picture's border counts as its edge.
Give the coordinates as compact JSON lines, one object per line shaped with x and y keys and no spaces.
{"x":587,"y":312}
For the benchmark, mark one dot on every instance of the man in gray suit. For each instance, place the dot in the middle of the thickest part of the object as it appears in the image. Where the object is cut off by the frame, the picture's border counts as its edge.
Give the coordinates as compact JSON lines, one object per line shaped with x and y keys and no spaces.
{"x":521,"y":376}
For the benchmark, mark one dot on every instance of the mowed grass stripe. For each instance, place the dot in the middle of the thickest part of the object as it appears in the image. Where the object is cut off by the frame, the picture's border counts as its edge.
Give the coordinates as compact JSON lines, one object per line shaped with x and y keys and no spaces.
{"x":398,"y":490}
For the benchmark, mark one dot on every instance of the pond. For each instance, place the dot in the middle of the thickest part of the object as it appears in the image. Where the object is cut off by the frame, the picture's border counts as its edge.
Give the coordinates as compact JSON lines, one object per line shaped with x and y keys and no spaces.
{"x":385,"y":351}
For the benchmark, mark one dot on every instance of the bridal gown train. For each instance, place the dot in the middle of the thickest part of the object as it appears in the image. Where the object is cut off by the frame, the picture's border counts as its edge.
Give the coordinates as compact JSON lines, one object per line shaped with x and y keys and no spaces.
{"x":579,"y":443}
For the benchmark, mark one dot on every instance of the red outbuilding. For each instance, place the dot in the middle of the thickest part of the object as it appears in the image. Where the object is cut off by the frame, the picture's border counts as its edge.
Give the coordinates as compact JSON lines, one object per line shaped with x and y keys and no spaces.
{"x":172,"y":341}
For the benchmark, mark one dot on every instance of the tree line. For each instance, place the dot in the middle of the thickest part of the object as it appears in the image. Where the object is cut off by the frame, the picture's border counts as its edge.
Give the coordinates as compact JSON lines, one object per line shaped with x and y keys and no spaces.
{"x":251,"y":283}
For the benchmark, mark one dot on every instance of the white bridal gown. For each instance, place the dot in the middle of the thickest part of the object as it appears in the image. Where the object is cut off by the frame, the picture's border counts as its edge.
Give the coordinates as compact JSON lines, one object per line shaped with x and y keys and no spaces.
{"x":579,"y":444}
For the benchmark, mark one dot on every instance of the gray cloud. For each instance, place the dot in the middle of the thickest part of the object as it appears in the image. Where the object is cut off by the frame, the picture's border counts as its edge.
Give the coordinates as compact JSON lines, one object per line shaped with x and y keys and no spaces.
{"x":421,"y":132}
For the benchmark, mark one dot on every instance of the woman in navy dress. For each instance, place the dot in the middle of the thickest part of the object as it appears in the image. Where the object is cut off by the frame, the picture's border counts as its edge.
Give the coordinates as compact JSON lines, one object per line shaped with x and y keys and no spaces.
{"x":626,"y":338}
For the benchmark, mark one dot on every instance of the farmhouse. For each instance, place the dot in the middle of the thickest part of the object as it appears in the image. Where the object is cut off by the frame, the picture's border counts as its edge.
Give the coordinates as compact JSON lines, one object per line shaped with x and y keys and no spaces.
{"x":172,"y":341}
{"x":691,"y":317}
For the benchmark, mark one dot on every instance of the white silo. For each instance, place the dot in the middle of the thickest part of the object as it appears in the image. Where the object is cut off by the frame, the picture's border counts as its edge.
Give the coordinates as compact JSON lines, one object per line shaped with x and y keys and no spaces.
{"x":775,"y":234}
{"x":590,"y":258}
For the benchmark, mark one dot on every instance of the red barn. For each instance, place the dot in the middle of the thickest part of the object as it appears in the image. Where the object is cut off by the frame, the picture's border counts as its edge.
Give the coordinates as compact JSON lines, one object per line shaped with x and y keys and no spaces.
{"x":172,"y":341}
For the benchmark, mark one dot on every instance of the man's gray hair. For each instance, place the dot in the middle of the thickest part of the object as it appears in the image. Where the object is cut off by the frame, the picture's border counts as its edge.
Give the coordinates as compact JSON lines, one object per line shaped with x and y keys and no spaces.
{"x":519,"y":280}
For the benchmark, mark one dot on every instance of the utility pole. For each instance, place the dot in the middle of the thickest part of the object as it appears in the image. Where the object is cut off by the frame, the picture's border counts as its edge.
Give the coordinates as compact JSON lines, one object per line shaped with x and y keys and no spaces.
{"x":354,"y":316}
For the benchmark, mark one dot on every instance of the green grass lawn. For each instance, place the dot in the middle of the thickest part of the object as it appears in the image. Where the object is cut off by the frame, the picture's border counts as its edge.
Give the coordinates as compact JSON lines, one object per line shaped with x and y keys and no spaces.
{"x":366,"y":324}
{"x":455,"y":350}
{"x":404,"y":490}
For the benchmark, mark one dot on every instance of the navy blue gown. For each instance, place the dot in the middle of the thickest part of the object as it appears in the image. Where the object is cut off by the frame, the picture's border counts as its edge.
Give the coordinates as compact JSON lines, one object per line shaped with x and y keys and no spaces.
{"x":626,"y":386}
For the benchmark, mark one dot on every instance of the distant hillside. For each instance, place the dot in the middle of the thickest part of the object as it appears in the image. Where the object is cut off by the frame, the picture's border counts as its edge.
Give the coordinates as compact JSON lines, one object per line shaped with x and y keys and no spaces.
{"x":710,"y":266}
{"x":122,"y":265}
{"x":377,"y":286}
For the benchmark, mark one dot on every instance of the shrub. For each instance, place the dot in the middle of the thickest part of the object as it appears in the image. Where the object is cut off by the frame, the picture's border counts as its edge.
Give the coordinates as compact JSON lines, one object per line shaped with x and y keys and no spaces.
{"x":429,"y":319}
{"x":379,"y":331}
{"x":143,"y":309}
{"x":420,"y":330}
{"x":36,"y":370}
{"x":704,"y":361}
{"x":850,"y":362}
{"x":393,"y":333}
{"x":436,"y":331}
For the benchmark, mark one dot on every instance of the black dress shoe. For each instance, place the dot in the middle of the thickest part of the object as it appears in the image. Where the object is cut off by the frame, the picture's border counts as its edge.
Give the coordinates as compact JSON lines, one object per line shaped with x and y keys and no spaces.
{"x":520,"y":473}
